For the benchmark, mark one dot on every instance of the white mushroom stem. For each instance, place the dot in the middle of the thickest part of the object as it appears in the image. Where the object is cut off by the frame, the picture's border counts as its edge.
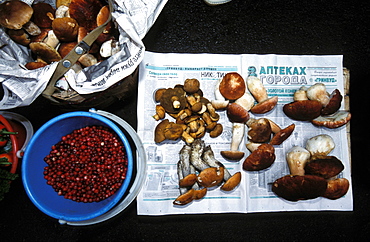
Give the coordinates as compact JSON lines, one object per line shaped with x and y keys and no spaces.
{"x":318,"y":92}
{"x":62,"y":11}
{"x":51,"y":39}
{"x":109,"y":48}
{"x":87,"y":60}
{"x":237,"y":136}
{"x":32,"y":28}
{"x":257,"y":89}
{"x":297,"y":157}
{"x":218,"y":95}
{"x":246,"y":101}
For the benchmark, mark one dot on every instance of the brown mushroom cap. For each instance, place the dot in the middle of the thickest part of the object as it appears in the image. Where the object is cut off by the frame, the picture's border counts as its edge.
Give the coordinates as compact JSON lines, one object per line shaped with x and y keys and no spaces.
{"x":232,"y":154}
{"x":14,"y":14}
{"x":65,"y":48}
{"x":65,"y":29}
{"x":282,"y":135}
{"x":159,"y":131}
{"x":171,"y":95}
{"x":261,"y":158}
{"x":188,"y":181}
{"x":259,"y":130}
{"x":102,"y":17}
{"x":191,"y":85}
{"x":185,"y":198}
{"x":19,"y":36}
{"x":236,"y":113}
{"x":232,"y":86}
{"x":85,"y":12}
{"x":335,"y":101}
{"x":35,"y":65}
{"x":294,"y":188}
{"x":336,"y":188}
{"x":333,"y":121}
{"x":232,"y":182}
{"x":324,"y":166}
{"x":43,"y":14}
{"x":265,"y":106}
{"x":199,"y":193}
{"x":304,"y":110}
{"x":211,"y":176}
{"x":45,"y":52}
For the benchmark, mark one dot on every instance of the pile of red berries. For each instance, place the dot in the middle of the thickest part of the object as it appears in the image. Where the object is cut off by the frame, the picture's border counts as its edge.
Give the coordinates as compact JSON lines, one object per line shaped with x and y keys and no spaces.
{"x":88,"y":165}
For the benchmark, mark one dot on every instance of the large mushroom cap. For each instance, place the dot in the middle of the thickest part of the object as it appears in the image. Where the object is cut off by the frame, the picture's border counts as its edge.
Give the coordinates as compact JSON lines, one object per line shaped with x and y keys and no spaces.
{"x":14,"y":14}
{"x":294,"y":188}
{"x":43,"y":14}
{"x":304,"y":110}
{"x":261,"y":158}
{"x":85,"y":12}
{"x":232,"y":86}
{"x":45,"y":52}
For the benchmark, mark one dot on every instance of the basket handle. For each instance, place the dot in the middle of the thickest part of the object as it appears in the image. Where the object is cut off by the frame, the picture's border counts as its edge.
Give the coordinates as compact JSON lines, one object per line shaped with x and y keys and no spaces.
{"x":71,"y":58}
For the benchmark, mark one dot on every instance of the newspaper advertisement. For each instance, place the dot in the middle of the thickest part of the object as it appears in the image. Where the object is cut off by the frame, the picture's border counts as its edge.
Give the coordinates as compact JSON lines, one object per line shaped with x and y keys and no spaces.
{"x":281,"y":75}
{"x":133,"y":20}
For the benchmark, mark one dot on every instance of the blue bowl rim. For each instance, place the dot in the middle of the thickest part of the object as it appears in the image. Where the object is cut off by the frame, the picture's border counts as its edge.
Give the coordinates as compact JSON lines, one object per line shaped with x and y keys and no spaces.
{"x":120,"y":192}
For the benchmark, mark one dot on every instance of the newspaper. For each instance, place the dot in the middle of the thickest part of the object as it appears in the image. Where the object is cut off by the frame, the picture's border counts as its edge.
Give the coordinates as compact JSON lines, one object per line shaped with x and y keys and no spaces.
{"x":21,"y":86}
{"x":281,"y":75}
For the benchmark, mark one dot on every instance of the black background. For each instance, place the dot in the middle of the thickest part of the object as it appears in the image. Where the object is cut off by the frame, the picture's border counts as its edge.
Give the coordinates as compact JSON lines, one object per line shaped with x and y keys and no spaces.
{"x":241,"y":26}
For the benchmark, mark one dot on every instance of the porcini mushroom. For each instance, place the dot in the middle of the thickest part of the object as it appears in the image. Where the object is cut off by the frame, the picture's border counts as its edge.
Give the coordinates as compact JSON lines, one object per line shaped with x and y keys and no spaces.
{"x":324,"y":166}
{"x":265,"y":106}
{"x":230,"y":181}
{"x":232,"y":86}
{"x":237,"y":137}
{"x":279,"y":137}
{"x":257,"y":89}
{"x":305,"y":110}
{"x":236,"y":113}
{"x":16,"y":14}
{"x":336,"y":188}
{"x":43,"y":14}
{"x":191,"y":85}
{"x":333,"y":121}
{"x":294,"y":187}
{"x":85,"y":12}
{"x":318,"y":92}
{"x":320,"y":145}
{"x":66,"y":29}
{"x":259,"y":130}
{"x":297,"y":157}
{"x":260,"y":159}
{"x":45,"y":52}
{"x":335,"y":100}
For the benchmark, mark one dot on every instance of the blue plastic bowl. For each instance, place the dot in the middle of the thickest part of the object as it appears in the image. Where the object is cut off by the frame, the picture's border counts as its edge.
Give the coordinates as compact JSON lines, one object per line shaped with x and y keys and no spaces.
{"x":43,"y":195}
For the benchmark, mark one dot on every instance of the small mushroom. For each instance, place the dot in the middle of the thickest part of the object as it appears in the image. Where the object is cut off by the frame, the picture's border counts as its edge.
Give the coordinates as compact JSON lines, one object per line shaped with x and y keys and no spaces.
{"x":282,"y":135}
{"x":232,"y":86}
{"x":300,"y":94}
{"x":87,"y":59}
{"x":259,"y":130}
{"x":160,"y":113}
{"x":255,"y":86}
{"x":159,"y":131}
{"x":109,"y":48}
{"x":216,"y":131}
{"x":62,"y":11}
{"x":102,"y":17}
{"x":318,"y":92}
{"x":294,"y":188}
{"x":191,"y":85}
{"x":297,"y":157}
{"x":305,"y":110}
{"x":333,"y":121}
{"x":237,"y":137}
{"x":336,"y":188}
{"x":184,"y":198}
{"x":320,"y":145}
{"x":261,"y":158}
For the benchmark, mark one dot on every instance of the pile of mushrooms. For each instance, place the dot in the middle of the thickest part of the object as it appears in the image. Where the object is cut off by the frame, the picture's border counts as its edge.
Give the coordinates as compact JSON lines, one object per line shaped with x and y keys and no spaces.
{"x":316,"y":105}
{"x":199,"y":170}
{"x":51,"y":33}
{"x":313,"y":172}
{"x":239,"y":97}
{"x":194,"y":114}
